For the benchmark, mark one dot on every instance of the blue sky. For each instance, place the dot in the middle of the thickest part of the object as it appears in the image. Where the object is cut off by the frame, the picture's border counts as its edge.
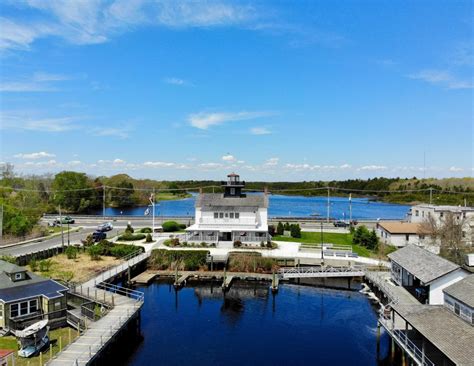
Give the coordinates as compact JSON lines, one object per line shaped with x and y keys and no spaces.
{"x":274,"y":90}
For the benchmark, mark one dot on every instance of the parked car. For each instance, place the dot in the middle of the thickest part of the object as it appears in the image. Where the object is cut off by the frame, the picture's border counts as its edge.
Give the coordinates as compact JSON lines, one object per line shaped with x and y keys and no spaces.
{"x":98,"y":236}
{"x":65,"y":220}
{"x":105,"y":227}
{"x":340,"y":224}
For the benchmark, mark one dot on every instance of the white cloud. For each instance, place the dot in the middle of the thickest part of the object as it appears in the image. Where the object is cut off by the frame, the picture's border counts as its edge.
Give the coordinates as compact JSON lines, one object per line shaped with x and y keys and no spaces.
{"x":272,"y":162}
{"x":158,"y":164}
{"x":229,"y":158}
{"x":210,"y":165}
{"x":44,"y":76}
{"x":442,"y":78}
{"x":204,"y":120}
{"x":90,"y":22}
{"x":176,"y":81}
{"x":118,"y":161}
{"x":39,"y":82}
{"x":345,"y":166}
{"x":74,"y":163}
{"x":34,"y":156}
{"x":455,"y":169}
{"x":260,"y":131}
{"x":42,"y":164}
{"x":373,"y":167}
{"x":119,"y":132}
{"x":24,"y":121}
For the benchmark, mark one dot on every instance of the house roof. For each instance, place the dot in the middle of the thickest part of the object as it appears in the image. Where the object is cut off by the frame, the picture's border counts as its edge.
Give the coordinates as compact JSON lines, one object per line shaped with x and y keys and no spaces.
{"x":6,"y":282}
{"x":47,"y":288}
{"x":446,"y":208}
{"x":400,"y":227}
{"x":10,"y":267}
{"x":212,"y":200}
{"x":463,"y":290}
{"x":451,"y":335}
{"x":421,"y":263}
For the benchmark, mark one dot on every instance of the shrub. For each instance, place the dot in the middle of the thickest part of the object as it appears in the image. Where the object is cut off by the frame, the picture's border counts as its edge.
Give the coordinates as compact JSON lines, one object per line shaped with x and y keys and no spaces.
{"x":173,"y":242}
{"x":8,"y":258}
{"x":182,"y":226}
{"x":146,"y":230}
{"x":271,"y":230}
{"x":185,"y":260}
{"x":262,"y":244}
{"x":122,"y":250}
{"x":45,"y":265}
{"x":95,"y":251}
{"x":66,"y":276}
{"x":237,"y":244}
{"x":88,"y":241}
{"x":71,"y":252}
{"x":148,"y":239}
{"x":287,"y":226}
{"x":250,"y":262}
{"x":34,"y":265}
{"x":295,"y":231}
{"x":170,"y":226}
{"x":131,"y":237}
{"x":129,"y":229}
{"x":280,"y":228}
{"x":269,"y":244}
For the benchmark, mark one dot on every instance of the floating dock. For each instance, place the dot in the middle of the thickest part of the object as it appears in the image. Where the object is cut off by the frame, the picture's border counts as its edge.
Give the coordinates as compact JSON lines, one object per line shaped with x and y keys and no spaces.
{"x":144,"y":278}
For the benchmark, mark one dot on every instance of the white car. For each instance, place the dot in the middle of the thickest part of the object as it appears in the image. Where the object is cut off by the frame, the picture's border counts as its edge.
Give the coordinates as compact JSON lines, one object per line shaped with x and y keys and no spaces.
{"x":105,"y":227}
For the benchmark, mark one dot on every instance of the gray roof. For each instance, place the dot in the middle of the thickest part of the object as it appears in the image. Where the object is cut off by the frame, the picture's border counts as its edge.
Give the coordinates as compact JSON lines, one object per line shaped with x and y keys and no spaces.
{"x":421,"y":263}
{"x":10,"y":267}
{"x":47,"y":288}
{"x":450,"y":334}
{"x":211,"y":200}
{"x":463,"y":290}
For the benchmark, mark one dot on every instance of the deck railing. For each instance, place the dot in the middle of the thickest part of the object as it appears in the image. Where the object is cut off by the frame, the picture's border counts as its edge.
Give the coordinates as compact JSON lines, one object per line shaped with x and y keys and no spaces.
{"x":405,"y":342}
{"x":381,"y":283}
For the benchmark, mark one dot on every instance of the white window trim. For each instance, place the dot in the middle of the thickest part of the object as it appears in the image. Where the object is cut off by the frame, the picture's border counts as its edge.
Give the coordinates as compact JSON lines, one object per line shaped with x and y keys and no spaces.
{"x":18,"y":276}
{"x":28,"y":309}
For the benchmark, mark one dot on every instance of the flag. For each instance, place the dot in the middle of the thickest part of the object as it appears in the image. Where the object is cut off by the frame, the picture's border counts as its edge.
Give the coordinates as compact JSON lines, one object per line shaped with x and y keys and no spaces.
{"x":147,"y":212}
{"x":350,"y":197}
{"x":152,"y":198}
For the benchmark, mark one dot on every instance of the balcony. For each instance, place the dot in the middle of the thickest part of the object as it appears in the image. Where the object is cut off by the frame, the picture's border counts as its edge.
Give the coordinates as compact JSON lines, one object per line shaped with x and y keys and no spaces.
{"x":233,"y":183}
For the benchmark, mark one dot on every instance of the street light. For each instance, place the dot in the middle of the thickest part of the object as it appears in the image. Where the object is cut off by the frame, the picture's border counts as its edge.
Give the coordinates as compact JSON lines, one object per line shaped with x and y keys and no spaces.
{"x":322,"y":245}
{"x":68,"y":242}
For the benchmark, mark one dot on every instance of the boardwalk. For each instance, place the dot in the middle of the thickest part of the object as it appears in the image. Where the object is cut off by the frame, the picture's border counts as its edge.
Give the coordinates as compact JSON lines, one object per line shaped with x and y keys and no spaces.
{"x":321,"y":271}
{"x":126,"y":304}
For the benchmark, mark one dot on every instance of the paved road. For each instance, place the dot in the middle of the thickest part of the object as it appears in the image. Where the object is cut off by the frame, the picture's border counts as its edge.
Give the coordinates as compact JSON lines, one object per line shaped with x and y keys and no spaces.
{"x":36,"y":246}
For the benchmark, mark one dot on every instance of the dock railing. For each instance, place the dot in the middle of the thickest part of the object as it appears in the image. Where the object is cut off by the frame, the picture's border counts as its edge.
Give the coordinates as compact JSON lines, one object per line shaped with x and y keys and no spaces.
{"x":380,"y":281}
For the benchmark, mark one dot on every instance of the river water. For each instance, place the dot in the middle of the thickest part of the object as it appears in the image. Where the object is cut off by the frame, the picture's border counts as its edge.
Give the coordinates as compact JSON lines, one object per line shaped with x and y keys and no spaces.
{"x":300,"y":325}
{"x":281,"y":206}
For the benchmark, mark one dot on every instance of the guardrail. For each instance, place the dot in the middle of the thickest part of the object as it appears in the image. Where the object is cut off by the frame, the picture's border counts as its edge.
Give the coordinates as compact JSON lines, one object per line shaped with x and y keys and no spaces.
{"x":381,"y":283}
{"x":405,"y":342}
{"x":133,"y":294}
{"x":300,"y":272}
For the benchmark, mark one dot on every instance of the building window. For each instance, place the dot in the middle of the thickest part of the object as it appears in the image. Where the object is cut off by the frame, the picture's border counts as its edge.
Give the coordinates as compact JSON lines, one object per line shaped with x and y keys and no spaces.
{"x":231,"y":215}
{"x":216,"y":215}
{"x":237,"y":215}
{"x":417,"y":213}
{"x":441,"y":214}
{"x":33,"y":306}
{"x":17,"y":276}
{"x":457,"y":309}
{"x":13,"y":310}
{"x":232,"y":191}
{"x":221,"y":215}
{"x":24,"y":308}
{"x":226,"y":215}
{"x":407,"y":237}
{"x":422,"y":213}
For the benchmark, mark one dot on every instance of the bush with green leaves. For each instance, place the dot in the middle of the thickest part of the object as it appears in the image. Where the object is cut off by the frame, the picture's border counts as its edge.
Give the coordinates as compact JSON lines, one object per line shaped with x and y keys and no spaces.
{"x":45,"y":265}
{"x":122,"y":250}
{"x":146,"y":230}
{"x":280,"y":228}
{"x":131,"y":237}
{"x":8,"y":258}
{"x":71,"y":252}
{"x":183,"y":259}
{"x":295,"y":231}
{"x":33,"y":265}
{"x":95,"y":252}
{"x":129,"y":229}
{"x":170,"y":226}
{"x":364,"y":237}
{"x":148,"y":238}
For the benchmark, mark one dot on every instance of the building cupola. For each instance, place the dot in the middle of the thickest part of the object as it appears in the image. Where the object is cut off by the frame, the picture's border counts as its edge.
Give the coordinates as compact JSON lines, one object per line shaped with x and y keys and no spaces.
{"x":233,"y":186}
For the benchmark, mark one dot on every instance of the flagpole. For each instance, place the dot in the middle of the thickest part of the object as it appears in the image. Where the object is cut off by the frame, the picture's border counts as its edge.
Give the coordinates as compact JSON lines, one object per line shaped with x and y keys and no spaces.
{"x":350,"y":208}
{"x":153,"y":208}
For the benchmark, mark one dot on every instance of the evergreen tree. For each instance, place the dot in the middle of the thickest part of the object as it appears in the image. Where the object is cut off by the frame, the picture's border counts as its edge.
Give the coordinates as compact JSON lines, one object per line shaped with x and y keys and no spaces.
{"x":280,"y":228}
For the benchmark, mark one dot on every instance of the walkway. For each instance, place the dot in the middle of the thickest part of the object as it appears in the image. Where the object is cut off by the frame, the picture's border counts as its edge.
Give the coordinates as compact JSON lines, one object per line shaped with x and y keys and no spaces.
{"x":126,"y":303}
{"x":325,"y":271}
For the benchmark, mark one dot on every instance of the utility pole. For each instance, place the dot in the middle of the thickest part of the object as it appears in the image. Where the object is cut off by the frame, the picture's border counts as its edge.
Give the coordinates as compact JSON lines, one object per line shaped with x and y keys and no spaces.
{"x":350,"y":208}
{"x":431,"y":195}
{"x":103,"y":201}
{"x":1,"y":223}
{"x":322,"y":245}
{"x":152,"y":201}
{"x":327,"y":219}
{"x":61,"y":223}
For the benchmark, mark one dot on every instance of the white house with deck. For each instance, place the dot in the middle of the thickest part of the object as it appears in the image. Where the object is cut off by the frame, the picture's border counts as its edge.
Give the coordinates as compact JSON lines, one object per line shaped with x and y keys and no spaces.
{"x":224,"y":218}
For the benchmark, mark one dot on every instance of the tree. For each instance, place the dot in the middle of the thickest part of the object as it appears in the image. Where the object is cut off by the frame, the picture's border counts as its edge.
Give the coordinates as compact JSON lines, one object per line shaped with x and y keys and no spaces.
{"x":362,"y":236}
{"x":280,"y":228}
{"x":295,"y":231}
{"x":451,"y":234}
{"x":123,"y":195}
{"x":73,"y":191}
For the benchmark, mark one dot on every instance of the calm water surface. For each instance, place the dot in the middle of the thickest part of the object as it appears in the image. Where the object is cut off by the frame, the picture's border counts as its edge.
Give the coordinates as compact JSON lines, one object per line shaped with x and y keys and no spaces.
{"x":281,"y":205}
{"x":298,"y":326}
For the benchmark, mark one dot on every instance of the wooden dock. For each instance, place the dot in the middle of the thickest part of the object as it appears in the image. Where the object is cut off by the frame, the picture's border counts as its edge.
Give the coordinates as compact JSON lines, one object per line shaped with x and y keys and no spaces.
{"x":227,"y":282}
{"x":144,"y":278}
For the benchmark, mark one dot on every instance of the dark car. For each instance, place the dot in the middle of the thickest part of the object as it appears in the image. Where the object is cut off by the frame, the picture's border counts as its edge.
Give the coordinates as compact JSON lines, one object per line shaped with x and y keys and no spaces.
{"x":340,"y":224}
{"x":98,"y":236}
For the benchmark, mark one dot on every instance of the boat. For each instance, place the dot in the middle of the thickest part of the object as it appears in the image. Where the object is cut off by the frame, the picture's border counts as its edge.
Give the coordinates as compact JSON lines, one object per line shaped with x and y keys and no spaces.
{"x":33,"y":338}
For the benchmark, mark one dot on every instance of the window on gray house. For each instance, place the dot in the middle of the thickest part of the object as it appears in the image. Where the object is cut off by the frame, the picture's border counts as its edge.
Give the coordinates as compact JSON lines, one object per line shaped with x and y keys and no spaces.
{"x":417,"y":213}
{"x":24,"y":308}
{"x":407,"y":237}
{"x":33,"y":306}
{"x":237,"y":215}
{"x":231,"y":215}
{"x":13,"y":310}
{"x":221,"y":215}
{"x":232,"y":191}
{"x":226,"y":215}
{"x":216,"y":215}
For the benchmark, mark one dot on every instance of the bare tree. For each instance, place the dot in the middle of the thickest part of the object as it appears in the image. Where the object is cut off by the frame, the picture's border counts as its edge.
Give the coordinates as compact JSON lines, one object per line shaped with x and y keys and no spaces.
{"x":451,"y":233}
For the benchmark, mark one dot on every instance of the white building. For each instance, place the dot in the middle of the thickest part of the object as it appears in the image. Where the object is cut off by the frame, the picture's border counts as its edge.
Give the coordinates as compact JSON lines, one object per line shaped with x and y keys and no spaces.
{"x":423,"y":273}
{"x":424,"y":212}
{"x":224,"y":218}
{"x":400,"y":234}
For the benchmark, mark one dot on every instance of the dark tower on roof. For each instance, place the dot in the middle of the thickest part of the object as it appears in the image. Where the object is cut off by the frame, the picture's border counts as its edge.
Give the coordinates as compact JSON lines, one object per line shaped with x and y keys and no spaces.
{"x":233,"y":186}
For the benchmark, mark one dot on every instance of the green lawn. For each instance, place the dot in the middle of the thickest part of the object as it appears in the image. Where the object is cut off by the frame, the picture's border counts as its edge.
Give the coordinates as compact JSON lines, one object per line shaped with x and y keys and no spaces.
{"x":9,"y":342}
{"x":314,"y":238}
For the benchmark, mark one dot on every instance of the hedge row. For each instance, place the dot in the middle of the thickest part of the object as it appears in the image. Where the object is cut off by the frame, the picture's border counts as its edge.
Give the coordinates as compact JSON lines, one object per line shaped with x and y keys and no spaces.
{"x":184,"y":260}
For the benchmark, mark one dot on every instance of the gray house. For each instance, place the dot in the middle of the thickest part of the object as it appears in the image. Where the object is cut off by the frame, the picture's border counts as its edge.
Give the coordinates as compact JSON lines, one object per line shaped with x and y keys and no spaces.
{"x":26,"y":298}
